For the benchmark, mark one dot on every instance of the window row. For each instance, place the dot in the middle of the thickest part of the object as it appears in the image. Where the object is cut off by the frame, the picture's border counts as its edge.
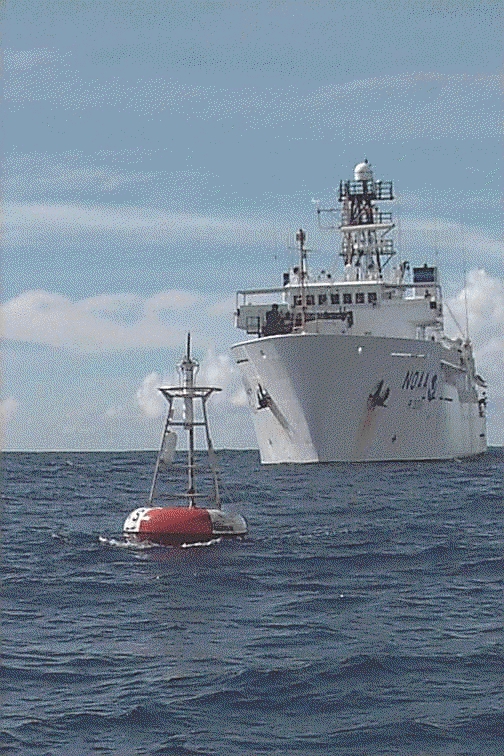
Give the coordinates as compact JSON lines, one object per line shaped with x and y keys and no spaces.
{"x":336,"y":299}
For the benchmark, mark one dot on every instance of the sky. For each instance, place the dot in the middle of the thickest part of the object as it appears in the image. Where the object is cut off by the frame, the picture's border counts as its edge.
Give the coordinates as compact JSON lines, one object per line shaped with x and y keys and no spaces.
{"x":160,"y":155}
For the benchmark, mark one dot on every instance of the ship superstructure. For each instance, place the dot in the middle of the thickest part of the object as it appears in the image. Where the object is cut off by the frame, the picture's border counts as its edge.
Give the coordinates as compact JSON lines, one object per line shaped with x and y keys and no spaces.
{"x":358,"y":368}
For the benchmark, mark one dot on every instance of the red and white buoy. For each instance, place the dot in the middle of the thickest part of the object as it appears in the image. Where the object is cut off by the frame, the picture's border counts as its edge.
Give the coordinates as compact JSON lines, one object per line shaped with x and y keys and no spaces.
{"x":189,"y":524}
{"x":173,"y":526}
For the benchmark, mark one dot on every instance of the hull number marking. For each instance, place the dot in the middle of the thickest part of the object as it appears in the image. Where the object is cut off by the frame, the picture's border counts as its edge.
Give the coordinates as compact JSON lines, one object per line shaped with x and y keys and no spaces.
{"x":420,"y":379}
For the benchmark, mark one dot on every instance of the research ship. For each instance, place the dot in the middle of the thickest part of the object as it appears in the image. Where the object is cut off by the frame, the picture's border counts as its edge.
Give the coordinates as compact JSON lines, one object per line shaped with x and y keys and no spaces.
{"x":358,"y":367}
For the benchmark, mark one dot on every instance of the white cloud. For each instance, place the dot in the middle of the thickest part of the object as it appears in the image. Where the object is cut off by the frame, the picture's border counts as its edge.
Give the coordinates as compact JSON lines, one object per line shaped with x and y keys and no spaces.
{"x":34,"y":224}
{"x":31,"y":223}
{"x":239,"y":399}
{"x":405,"y":106}
{"x":8,"y":408}
{"x":485,"y":310}
{"x":485,"y":306}
{"x":102,"y":323}
{"x":68,"y":179}
{"x":217,"y":370}
{"x":116,"y":411}
{"x":409,"y":106}
{"x":23,"y":60}
{"x":149,"y":399}
{"x":67,"y":174}
{"x":170,"y":300}
{"x":225,"y":307}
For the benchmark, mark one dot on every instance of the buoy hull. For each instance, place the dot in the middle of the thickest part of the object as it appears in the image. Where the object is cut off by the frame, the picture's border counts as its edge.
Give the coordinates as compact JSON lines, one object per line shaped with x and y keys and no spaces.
{"x":172,"y":526}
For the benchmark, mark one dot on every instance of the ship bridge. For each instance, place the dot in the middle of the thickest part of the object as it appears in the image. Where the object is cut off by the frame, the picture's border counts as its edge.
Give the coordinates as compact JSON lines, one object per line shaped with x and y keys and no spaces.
{"x":365,"y":308}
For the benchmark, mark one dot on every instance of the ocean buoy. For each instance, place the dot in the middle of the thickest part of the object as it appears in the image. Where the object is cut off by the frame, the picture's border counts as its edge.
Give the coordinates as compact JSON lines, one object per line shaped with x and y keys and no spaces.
{"x":173,"y":526}
{"x":191,"y":523}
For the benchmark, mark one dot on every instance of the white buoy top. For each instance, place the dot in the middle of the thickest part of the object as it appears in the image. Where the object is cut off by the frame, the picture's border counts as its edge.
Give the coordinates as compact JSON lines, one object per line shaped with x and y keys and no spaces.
{"x":363,"y":172}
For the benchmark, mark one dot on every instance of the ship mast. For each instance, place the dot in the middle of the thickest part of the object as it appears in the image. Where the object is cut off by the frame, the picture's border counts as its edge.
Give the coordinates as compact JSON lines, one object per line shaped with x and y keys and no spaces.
{"x":303,"y":272}
{"x":364,"y":248}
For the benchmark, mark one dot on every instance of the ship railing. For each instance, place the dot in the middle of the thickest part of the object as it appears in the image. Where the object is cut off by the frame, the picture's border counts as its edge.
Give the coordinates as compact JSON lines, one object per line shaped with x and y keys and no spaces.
{"x":380,"y":190}
{"x":412,"y":291}
{"x":385,"y":246}
{"x":378,"y":218}
{"x":267,"y":296}
{"x":293,"y":321}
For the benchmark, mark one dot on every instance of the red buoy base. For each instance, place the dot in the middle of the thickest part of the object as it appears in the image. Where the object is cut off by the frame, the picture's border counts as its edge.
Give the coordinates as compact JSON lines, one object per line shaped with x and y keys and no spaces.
{"x":174,"y":526}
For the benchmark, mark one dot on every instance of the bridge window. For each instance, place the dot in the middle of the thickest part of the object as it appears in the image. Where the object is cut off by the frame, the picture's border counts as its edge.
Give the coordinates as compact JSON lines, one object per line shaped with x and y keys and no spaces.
{"x":347,"y":299}
{"x":322,"y":299}
{"x":334,"y":298}
{"x":371,"y":297}
{"x":359,"y":297}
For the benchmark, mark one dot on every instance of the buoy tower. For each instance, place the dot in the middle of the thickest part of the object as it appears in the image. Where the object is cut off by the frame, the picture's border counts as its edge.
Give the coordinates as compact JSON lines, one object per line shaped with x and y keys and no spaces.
{"x":191,"y":522}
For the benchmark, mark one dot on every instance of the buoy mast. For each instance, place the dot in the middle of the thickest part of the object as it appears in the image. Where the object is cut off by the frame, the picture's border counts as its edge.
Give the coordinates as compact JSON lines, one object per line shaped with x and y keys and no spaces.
{"x":187,"y":392}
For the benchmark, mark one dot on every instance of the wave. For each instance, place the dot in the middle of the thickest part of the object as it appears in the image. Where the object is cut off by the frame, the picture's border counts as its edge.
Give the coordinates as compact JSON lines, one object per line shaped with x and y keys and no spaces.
{"x":123,"y":543}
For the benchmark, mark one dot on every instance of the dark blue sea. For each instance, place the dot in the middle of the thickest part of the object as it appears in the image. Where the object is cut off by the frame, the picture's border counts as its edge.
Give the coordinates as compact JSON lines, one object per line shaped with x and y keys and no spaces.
{"x":363,"y":616}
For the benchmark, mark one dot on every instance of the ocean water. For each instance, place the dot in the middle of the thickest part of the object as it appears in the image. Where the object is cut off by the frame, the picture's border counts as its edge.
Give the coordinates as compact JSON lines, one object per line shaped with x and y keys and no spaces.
{"x":364,"y":615}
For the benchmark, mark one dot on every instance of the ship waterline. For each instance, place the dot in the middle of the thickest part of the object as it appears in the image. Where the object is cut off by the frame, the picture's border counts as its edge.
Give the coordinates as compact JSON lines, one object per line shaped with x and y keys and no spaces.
{"x":358,"y":368}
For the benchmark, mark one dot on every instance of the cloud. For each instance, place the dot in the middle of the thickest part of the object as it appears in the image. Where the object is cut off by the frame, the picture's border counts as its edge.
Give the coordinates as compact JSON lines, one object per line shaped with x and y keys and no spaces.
{"x":485,"y":310}
{"x":103,"y":323}
{"x":149,"y":399}
{"x":486,"y":303}
{"x":73,"y":176}
{"x":406,"y":106}
{"x":170,"y":300}
{"x":32,"y":224}
{"x":116,"y":412}
{"x":217,"y":370}
{"x":24,"y":60}
{"x":239,"y":399}
{"x":8,"y":408}
{"x":37,"y":224}
{"x":225,"y":307}
{"x":409,"y":106}
{"x":485,"y":306}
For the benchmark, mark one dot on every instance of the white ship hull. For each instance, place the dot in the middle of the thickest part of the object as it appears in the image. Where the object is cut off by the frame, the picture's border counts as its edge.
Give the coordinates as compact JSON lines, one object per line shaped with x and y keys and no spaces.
{"x":342,"y":398}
